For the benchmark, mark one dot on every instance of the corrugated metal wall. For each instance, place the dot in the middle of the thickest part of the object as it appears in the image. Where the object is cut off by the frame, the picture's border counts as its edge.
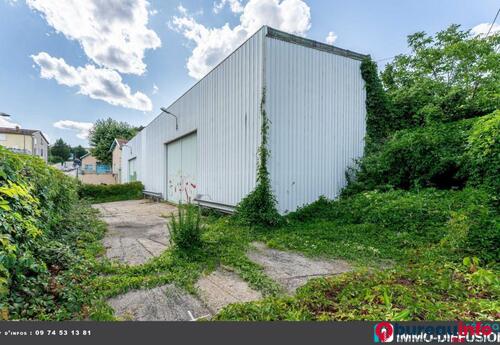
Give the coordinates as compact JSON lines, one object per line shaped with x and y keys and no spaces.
{"x":316,"y":105}
{"x":224,"y":110}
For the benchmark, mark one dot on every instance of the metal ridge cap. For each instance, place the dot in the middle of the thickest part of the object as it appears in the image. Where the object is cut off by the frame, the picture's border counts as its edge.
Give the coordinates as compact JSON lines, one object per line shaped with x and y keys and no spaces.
{"x":309,"y":43}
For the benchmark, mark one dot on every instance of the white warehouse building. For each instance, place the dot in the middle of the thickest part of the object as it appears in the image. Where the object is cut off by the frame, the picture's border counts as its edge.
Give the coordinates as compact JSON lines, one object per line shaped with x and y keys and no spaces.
{"x":204,"y":147}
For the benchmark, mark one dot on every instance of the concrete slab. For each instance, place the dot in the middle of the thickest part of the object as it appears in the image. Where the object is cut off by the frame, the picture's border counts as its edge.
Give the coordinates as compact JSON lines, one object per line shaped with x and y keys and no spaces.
{"x":136,"y":229}
{"x":223,"y":287}
{"x":163,"y":303}
{"x":292,"y":270}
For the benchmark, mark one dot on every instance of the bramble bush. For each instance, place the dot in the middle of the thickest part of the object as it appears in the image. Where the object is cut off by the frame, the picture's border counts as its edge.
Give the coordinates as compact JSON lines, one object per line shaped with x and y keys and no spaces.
{"x":108,"y":193}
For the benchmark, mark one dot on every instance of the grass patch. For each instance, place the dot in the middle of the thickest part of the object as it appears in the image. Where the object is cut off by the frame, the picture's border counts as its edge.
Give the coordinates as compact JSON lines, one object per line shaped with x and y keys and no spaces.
{"x":425,"y":234}
{"x":415,"y":292}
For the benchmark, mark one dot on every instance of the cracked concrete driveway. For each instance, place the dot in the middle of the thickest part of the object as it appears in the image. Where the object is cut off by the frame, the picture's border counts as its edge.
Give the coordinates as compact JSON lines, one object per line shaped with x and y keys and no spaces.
{"x":292,"y":270}
{"x":136,"y":229}
{"x":163,"y":303}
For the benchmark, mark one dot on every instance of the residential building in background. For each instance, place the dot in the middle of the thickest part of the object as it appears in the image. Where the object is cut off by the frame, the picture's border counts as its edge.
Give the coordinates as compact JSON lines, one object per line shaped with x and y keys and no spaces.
{"x":94,"y":172}
{"x":204,"y":147}
{"x":28,"y":141}
{"x":116,"y":165}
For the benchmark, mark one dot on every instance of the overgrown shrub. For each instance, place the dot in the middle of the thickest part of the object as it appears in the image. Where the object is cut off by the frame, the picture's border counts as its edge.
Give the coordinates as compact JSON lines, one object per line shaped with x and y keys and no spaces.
{"x":109,"y":193}
{"x":432,"y":156}
{"x":185,"y":229}
{"x":441,"y":156}
{"x":36,"y":204}
{"x":426,"y":216}
{"x":483,"y":152}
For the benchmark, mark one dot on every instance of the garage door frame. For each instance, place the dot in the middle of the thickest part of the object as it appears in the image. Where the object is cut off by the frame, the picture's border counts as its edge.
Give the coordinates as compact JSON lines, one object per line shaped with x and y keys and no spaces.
{"x":194,"y":132}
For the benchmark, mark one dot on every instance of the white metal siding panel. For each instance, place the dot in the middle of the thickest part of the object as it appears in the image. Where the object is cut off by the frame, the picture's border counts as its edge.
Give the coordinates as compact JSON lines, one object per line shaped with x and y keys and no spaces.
{"x":223,"y":108}
{"x":182,"y":169}
{"x":129,"y":151}
{"x":316,"y":105}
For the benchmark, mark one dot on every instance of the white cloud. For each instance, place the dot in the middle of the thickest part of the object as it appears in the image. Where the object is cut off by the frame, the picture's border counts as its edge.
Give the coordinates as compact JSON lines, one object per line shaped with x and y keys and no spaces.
{"x":331,"y":38}
{"x":155,"y":89}
{"x":482,"y":29}
{"x":182,"y":9}
{"x":82,"y":128}
{"x":214,"y":44}
{"x":113,"y":33}
{"x":234,"y":5}
{"x":97,"y":83}
{"x":7,"y":122}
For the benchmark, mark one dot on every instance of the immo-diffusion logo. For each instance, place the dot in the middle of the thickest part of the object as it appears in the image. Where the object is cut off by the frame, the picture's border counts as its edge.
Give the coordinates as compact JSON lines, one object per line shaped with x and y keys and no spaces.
{"x":383,"y":332}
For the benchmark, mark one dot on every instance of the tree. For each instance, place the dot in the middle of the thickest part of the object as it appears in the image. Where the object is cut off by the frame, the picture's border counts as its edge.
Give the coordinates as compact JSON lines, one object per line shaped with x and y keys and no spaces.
{"x":448,"y":77}
{"x":59,"y":152}
{"x":103,"y":133}
{"x":78,"y":152}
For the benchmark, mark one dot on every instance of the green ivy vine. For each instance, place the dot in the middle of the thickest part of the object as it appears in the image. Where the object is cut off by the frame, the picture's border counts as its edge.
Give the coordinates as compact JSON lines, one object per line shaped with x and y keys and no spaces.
{"x":379,"y":123}
{"x":259,"y":206}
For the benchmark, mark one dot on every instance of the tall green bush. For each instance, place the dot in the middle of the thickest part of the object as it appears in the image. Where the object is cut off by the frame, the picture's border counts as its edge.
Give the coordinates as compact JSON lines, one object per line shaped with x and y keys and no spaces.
{"x":432,"y":156}
{"x":36,"y":202}
{"x":483,"y":152}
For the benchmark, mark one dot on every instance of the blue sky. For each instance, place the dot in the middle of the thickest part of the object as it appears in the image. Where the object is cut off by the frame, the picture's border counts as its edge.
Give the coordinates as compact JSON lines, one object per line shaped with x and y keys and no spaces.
{"x":65,"y":64}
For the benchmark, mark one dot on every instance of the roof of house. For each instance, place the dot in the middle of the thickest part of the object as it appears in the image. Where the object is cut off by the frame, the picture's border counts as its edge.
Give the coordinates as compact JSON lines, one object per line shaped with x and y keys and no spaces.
{"x":22,"y":131}
{"x":119,"y":142}
{"x":85,"y":155}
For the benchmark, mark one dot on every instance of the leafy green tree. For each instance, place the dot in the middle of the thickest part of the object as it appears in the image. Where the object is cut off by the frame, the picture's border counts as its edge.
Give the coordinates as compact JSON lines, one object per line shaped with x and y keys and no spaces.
{"x":78,"y":151}
{"x":59,"y":152}
{"x":448,"y":77}
{"x":103,"y":133}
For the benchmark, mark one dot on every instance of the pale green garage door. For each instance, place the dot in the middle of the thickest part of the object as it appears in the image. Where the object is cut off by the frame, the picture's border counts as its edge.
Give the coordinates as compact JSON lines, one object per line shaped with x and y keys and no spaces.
{"x":182,"y":165}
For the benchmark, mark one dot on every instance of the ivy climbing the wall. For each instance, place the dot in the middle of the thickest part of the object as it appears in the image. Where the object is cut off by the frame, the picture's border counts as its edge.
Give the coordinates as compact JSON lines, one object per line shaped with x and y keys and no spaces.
{"x":259,"y":207}
{"x":379,"y":122}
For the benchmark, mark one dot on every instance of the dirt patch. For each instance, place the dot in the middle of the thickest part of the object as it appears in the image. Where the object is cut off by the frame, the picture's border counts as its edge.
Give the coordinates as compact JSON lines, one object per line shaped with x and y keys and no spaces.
{"x":223,"y":287}
{"x":292,"y":270}
{"x":137,"y":229}
{"x":163,"y":303}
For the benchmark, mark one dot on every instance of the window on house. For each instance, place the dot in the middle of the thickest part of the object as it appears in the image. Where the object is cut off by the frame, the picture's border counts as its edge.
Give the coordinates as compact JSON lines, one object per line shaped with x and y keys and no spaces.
{"x":34,"y":140}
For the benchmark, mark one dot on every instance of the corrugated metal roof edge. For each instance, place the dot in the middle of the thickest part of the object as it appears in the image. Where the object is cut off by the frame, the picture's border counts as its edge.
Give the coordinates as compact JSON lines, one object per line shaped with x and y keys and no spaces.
{"x":309,"y":43}
{"x":273,"y":33}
